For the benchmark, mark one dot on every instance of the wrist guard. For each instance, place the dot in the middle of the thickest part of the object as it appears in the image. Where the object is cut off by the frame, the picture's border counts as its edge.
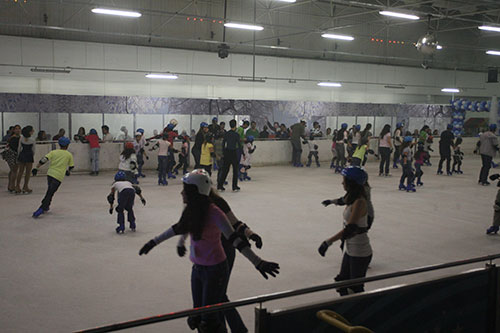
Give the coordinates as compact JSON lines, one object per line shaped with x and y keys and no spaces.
{"x":239,"y":241}
{"x":137,"y":189}
{"x":111,"y":198}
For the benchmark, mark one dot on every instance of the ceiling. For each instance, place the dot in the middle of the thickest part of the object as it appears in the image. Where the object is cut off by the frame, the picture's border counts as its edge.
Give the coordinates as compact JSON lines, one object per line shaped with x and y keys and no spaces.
{"x":290,"y":29}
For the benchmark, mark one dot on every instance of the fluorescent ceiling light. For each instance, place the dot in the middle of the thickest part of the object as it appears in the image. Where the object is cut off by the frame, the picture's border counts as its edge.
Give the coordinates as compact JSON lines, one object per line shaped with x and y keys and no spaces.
{"x":66,"y":70}
{"x":491,"y":52}
{"x":329,"y":84}
{"x":244,"y":26}
{"x":334,"y":36}
{"x":439,"y":47}
{"x":162,"y":76}
{"x":279,"y":47}
{"x":489,"y":28}
{"x":116,"y":12}
{"x":290,"y":1}
{"x":400,"y":15}
{"x":450,"y":90}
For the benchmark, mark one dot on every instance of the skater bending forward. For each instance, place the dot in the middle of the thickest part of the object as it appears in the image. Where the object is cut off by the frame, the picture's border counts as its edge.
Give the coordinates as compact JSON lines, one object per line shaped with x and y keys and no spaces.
{"x":354,"y":234}
{"x":126,"y":195}
{"x":204,"y":222}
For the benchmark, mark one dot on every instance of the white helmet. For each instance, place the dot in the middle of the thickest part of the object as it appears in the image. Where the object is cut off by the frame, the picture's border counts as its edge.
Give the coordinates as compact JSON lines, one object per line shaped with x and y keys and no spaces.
{"x":201,"y":179}
{"x":174,"y":122}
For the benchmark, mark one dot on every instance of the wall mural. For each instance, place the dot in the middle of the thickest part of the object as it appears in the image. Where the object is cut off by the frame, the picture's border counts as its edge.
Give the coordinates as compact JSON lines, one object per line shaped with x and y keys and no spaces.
{"x":287,"y":112}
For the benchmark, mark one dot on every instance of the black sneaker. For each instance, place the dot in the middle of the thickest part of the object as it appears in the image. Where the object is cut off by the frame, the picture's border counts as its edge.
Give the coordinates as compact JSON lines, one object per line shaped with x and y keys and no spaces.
{"x":236,"y":189}
{"x":221,"y":188}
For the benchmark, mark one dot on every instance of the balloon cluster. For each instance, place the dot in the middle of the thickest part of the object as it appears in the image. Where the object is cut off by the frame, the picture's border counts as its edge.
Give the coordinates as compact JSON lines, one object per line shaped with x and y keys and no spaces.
{"x":477,"y":106}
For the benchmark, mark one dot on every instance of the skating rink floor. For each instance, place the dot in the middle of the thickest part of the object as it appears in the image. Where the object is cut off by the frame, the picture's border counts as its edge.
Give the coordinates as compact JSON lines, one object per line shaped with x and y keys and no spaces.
{"x":69,"y":270}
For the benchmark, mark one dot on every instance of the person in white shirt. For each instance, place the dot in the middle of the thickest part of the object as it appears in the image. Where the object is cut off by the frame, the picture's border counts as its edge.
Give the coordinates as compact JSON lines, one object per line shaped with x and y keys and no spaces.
{"x":106,"y":136}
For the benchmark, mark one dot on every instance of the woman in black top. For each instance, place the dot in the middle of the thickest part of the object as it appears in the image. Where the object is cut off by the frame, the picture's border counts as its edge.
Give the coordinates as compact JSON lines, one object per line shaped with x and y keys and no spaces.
{"x":80,"y":136}
{"x":10,"y":156}
{"x":198,"y":141}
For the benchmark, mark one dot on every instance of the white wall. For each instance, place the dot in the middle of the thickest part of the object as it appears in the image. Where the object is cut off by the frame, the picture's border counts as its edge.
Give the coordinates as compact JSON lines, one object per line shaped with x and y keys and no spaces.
{"x":267,"y":153}
{"x":109,"y":69}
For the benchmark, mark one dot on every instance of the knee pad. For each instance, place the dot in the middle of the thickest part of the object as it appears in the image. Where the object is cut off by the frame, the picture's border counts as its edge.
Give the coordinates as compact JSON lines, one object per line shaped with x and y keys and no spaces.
{"x":119,"y":209}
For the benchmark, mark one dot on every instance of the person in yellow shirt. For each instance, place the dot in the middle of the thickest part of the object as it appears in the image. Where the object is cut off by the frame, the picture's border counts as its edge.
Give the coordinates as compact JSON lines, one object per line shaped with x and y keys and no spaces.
{"x":207,"y":154}
{"x":61,"y":162}
{"x":360,"y":152}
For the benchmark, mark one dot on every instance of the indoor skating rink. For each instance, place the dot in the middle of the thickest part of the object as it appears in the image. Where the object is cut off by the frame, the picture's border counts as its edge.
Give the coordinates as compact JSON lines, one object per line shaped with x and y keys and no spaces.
{"x":69,"y":270}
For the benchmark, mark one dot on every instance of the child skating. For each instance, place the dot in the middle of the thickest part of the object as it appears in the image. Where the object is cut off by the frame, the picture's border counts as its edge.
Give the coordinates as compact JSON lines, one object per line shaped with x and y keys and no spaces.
{"x":126,"y":195}
{"x":183,"y":156}
{"x":334,"y":150}
{"x":313,"y":152}
{"x":246,"y":157}
{"x":419,"y":161}
{"x":407,"y":167}
{"x":61,"y":163}
{"x":163,"y":146}
{"x":458,"y":156}
{"x":128,"y":163}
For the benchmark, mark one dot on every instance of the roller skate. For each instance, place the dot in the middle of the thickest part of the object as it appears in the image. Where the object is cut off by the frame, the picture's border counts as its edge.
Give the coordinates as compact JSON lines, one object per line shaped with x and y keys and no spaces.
{"x":120,"y":229}
{"x":459,"y":172}
{"x":38,"y":212}
{"x":439,"y":172}
{"x":160,"y":182}
{"x":394,"y":166}
{"x":338,"y":169}
{"x":411,"y":188}
{"x":402,"y":187}
{"x":308,"y":165}
{"x":300,"y":165}
{"x":132,"y":226}
{"x":449,"y":173}
{"x":318,"y":165}
{"x":170,"y":175}
{"x":492,"y":230}
{"x":332,"y":166}
{"x":494,"y":165}
{"x":164,"y":182}
{"x":419,"y":183}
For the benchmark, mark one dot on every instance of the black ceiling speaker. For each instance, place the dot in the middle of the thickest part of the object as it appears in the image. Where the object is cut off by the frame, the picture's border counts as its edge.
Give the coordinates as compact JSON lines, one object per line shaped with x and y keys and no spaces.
{"x":492,"y":75}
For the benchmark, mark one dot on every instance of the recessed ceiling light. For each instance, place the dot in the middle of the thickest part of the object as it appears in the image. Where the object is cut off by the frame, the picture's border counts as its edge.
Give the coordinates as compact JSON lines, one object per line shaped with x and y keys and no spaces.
{"x":329,"y":84}
{"x":489,"y":28}
{"x":491,"y":52}
{"x":399,"y":15}
{"x":244,"y":26}
{"x":450,"y":90}
{"x":162,"y":76}
{"x":116,"y":12}
{"x":335,"y":36}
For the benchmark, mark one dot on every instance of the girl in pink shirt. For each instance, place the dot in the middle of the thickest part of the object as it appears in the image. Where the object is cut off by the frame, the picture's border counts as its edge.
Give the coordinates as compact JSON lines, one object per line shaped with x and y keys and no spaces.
{"x":205,"y":222}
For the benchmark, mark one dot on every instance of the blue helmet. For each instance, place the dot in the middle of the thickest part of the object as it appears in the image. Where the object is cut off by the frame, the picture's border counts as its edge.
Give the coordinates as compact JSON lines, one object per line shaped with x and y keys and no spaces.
{"x":357,"y":127}
{"x":93,"y":131}
{"x":449,"y":126}
{"x":398,"y":125}
{"x":170,"y":127}
{"x":215,"y":119}
{"x":408,"y":138}
{"x":250,"y":138}
{"x":120,"y":175}
{"x":493,"y":127}
{"x":344,"y":125}
{"x":63,"y":141}
{"x":203,"y":124}
{"x":356,"y":174}
{"x":140,"y":130}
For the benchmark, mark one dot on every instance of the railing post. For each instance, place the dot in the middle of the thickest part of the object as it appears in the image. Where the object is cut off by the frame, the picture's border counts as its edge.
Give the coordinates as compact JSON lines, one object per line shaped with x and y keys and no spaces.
{"x":261,"y":320}
{"x":493,"y":315}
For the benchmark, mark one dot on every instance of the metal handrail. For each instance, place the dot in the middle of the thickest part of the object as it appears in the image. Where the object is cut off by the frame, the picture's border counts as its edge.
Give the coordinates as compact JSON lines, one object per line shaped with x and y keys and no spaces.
{"x":333,"y":318}
{"x":282,"y":294}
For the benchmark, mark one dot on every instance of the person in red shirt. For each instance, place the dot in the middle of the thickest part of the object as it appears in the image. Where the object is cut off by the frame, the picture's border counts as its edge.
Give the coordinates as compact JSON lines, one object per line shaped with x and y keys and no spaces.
{"x":93,"y":140}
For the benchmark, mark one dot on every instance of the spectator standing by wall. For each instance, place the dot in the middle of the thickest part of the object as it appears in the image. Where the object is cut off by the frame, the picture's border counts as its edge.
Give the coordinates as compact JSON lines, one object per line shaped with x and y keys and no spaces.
{"x":93,"y":140}
{"x":42,"y":136}
{"x":106,"y":136}
{"x":10,"y":156}
{"x":253,"y":130}
{"x":298,"y":133}
{"x":230,"y":145}
{"x":59,"y":135}
{"x":198,"y":141}
{"x":80,"y":136}
{"x":25,"y":158}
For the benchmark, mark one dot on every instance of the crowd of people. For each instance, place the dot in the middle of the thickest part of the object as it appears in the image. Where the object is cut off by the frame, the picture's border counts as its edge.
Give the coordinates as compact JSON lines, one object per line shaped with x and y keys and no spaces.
{"x":207,"y":218}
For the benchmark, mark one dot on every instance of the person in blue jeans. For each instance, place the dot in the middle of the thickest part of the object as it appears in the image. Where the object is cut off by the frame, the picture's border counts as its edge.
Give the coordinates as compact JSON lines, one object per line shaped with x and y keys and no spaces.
{"x":163,"y":146}
{"x":205,"y":223}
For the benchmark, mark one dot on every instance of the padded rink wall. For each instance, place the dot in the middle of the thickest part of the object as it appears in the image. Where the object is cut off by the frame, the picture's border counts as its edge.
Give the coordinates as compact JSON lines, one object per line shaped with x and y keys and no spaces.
{"x":268,"y":152}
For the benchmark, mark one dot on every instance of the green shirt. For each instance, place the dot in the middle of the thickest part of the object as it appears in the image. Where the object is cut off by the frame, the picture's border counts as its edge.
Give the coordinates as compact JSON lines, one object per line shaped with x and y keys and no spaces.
{"x":241,"y":133}
{"x":60,"y":160}
{"x":360,"y":152}
{"x":254,"y":133}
